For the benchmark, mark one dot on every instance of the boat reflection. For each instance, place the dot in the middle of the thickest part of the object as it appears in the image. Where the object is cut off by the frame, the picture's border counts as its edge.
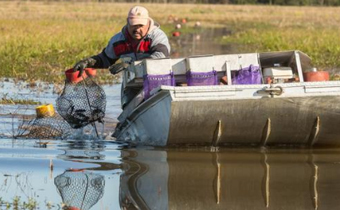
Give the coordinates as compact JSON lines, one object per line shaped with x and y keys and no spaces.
{"x":230,"y":179}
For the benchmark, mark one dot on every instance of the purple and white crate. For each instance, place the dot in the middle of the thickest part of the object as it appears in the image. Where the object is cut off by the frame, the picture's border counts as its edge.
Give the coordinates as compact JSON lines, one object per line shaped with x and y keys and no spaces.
{"x":201,"y":78}
{"x":248,"y":75}
{"x":153,"y":81}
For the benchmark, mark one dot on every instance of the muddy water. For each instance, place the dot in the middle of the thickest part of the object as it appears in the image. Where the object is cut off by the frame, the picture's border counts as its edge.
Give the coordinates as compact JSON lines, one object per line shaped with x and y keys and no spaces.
{"x":231,"y":179}
{"x":106,"y":175}
{"x":100,"y":174}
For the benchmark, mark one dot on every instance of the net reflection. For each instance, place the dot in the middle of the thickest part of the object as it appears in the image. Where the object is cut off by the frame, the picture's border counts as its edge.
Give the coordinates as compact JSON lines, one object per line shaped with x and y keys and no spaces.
{"x":230,"y":179}
{"x":80,"y":189}
{"x":83,"y":187}
{"x":83,"y":150}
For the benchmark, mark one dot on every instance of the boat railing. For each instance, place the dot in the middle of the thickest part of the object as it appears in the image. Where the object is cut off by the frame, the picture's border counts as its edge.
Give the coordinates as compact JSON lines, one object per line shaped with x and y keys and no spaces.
{"x":289,"y":66}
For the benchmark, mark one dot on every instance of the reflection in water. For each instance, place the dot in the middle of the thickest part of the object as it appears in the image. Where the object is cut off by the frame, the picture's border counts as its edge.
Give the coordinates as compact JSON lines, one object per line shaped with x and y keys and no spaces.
{"x":78,"y":153}
{"x":88,"y":150}
{"x":230,"y":179}
{"x":80,"y":189}
{"x":144,"y":183}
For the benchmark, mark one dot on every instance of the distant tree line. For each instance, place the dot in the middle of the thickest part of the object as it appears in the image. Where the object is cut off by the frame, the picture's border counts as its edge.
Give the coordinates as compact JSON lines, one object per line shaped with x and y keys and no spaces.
{"x":288,"y":2}
{"x":264,"y":2}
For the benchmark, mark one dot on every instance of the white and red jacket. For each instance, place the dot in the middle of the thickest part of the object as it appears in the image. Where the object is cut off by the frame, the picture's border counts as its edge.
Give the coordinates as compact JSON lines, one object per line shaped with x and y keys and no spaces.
{"x":154,"y":45}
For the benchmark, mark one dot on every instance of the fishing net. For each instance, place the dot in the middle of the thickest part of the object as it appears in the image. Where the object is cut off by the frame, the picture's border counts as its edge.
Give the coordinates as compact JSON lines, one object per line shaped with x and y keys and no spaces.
{"x":82,"y":101}
{"x":46,"y":125}
{"x":80,"y":189}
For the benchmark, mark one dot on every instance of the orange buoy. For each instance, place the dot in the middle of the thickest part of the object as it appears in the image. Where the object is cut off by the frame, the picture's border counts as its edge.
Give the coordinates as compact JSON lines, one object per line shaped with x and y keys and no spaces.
{"x":176,"y":33}
{"x":315,"y":76}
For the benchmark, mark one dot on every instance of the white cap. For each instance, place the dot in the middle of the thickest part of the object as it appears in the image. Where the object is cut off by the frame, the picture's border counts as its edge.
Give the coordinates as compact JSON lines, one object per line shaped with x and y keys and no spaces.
{"x":138,"y":16}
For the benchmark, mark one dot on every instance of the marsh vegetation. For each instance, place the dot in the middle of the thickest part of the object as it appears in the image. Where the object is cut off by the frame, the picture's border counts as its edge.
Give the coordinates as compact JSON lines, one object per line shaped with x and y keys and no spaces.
{"x":42,"y":39}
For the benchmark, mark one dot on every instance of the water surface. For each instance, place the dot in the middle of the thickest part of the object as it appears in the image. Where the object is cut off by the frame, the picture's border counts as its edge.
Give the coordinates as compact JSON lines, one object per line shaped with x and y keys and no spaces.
{"x":89,"y":173}
{"x":107,"y":175}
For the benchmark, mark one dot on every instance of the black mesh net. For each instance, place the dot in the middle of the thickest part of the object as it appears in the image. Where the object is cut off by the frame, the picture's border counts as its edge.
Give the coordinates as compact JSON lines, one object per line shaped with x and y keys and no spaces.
{"x":49,"y":127}
{"x":80,"y":189}
{"x":82,"y":103}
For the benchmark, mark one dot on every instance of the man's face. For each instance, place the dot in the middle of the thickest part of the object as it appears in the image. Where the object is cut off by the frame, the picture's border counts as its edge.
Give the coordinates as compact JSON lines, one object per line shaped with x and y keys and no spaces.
{"x":138,"y":31}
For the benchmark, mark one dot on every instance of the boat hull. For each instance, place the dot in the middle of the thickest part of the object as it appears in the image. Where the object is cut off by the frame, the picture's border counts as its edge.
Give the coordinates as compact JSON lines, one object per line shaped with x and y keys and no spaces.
{"x":231,"y":116}
{"x":262,"y":122}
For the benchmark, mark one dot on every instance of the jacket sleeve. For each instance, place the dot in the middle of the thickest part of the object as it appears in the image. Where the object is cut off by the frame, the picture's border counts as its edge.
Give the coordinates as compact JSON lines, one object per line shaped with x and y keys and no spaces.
{"x":160,"y":47}
{"x":107,"y":57}
{"x":103,"y":60}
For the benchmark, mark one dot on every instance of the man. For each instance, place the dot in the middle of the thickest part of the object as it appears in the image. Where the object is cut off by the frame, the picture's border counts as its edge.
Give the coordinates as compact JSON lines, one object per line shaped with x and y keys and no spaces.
{"x":140,"y":38}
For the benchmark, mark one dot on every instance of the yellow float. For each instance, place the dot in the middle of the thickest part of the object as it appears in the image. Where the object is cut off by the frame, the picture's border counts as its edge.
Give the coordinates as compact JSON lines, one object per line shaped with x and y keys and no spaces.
{"x":45,"y":110}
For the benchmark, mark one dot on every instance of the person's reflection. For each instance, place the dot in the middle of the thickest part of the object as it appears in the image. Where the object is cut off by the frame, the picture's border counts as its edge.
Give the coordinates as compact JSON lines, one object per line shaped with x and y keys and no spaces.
{"x":80,"y":189}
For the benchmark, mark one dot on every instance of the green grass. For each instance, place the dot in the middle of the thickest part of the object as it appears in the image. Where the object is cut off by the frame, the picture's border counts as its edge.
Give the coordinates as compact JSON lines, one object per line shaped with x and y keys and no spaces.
{"x":42,"y":46}
{"x":322,"y":44}
{"x":18,"y":101}
{"x":9,"y":100}
{"x":40,"y":40}
{"x":44,"y":49}
{"x":17,"y":204}
{"x":27,"y":204}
